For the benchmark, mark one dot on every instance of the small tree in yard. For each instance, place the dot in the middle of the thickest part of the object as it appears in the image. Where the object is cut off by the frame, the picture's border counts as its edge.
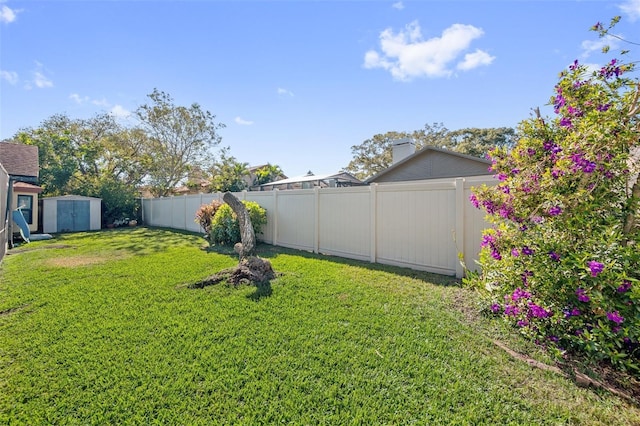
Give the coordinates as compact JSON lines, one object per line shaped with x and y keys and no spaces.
{"x":562,"y":261}
{"x":233,"y":222}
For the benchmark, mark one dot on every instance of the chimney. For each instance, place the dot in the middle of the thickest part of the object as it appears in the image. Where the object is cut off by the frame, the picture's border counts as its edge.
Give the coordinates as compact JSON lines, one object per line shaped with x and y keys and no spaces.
{"x":402,"y":148}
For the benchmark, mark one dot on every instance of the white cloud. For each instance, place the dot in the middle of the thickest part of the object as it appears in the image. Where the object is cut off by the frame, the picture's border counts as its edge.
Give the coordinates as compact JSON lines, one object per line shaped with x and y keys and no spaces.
{"x":631,"y":8}
{"x":475,"y":59}
{"x":120,"y":112}
{"x":407,"y":55}
{"x":282,"y":91}
{"x":7,"y":15}
{"x":243,"y":122}
{"x":590,"y":46}
{"x":10,"y":76}
{"x":101,"y":102}
{"x":78,"y":99}
{"x":398,"y":5}
{"x":41,"y":81}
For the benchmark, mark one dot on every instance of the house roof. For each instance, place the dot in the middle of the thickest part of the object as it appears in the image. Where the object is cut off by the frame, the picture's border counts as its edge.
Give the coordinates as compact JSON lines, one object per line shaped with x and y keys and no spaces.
{"x":20,"y":160}
{"x":426,"y":151}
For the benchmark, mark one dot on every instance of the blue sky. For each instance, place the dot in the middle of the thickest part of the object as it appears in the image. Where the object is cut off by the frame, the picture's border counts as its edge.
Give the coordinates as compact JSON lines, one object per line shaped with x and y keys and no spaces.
{"x":297,"y":83}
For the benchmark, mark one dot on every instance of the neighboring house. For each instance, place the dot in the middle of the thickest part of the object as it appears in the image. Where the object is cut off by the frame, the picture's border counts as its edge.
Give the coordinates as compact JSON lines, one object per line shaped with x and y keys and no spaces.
{"x":428,"y":163}
{"x":310,"y":181}
{"x":21,"y":163}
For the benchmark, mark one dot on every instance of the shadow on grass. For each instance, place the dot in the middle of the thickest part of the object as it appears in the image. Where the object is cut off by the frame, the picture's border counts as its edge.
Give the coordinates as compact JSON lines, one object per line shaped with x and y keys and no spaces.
{"x":262,"y":290}
{"x":268,"y":251}
{"x":143,"y":240}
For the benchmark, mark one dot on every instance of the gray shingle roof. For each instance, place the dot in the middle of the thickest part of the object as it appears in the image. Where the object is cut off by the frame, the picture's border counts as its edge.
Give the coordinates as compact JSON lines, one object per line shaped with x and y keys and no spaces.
{"x":19,"y":159}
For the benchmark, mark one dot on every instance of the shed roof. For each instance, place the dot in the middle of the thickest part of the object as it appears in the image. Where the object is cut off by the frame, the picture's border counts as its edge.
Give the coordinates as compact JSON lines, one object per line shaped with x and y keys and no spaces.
{"x":20,"y":160}
{"x":71,"y":197}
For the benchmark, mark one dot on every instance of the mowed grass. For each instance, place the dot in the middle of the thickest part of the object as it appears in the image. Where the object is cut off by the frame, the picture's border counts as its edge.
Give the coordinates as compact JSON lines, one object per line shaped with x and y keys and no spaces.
{"x":101,"y":328}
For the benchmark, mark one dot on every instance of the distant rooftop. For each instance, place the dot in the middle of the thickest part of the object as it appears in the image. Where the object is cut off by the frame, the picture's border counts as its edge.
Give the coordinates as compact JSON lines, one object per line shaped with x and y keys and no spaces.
{"x":338,"y":179}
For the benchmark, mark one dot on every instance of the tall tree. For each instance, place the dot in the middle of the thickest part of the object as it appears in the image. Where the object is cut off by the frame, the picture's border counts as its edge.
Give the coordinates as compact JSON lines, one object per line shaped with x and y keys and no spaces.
{"x":73,"y":152}
{"x":375,"y":155}
{"x":180,"y":138}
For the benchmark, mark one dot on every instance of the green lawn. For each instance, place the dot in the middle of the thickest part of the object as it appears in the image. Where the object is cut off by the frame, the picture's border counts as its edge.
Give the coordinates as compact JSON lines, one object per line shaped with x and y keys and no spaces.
{"x":100,"y":328}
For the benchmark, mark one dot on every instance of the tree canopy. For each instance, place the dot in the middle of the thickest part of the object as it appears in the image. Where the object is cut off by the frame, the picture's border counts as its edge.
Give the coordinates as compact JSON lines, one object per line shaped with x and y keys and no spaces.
{"x":99,"y":157}
{"x":179,"y":139}
{"x":375,"y":154}
{"x":93,"y":157}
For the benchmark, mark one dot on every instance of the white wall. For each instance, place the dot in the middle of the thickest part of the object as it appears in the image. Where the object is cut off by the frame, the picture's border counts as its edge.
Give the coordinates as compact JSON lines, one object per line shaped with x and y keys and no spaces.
{"x":421,"y":225}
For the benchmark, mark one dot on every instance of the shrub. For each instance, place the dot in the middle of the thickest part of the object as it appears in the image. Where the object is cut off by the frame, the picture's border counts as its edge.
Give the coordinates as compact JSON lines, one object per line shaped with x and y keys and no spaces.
{"x":562,"y":261}
{"x":225,"y":228}
{"x":205,"y":214}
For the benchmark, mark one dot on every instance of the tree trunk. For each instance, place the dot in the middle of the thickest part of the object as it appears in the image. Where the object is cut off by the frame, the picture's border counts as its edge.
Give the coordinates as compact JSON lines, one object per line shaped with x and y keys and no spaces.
{"x":247,"y":235}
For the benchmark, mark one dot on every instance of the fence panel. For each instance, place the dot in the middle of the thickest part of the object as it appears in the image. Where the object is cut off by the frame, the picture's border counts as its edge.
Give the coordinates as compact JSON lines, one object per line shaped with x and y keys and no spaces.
{"x":191,"y":205}
{"x":415,"y":226}
{"x":296,"y":218}
{"x":345,"y":222}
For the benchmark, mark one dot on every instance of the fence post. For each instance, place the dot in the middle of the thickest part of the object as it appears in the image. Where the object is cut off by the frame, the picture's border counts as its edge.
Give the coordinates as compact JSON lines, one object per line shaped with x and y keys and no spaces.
{"x":184,"y":224}
{"x":275,"y":216}
{"x":316,"y":212}
{"x":373,"y":206}
{"x":459,"y":231}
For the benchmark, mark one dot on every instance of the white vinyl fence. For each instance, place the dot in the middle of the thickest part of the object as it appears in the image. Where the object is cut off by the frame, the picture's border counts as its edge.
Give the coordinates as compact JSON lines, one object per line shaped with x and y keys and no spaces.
{"x":421,"y":225}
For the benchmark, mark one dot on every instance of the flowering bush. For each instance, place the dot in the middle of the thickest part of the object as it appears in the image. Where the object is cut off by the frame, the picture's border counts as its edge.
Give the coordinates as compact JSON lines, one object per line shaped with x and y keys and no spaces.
{"x":225,"y":228}
{"x":562,"y":260}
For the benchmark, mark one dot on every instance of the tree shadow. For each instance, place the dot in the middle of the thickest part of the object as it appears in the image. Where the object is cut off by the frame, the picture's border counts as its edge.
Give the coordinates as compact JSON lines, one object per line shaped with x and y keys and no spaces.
{"x":262,"y":291}
{"x":269,"y":251}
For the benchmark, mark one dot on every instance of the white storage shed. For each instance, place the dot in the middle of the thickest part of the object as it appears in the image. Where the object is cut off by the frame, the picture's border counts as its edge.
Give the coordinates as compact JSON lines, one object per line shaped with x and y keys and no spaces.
{"x":71,"y":213}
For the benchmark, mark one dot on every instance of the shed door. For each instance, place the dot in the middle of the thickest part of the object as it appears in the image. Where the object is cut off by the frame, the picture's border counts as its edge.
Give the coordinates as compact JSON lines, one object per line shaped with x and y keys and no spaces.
{"x":73,"y":215}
